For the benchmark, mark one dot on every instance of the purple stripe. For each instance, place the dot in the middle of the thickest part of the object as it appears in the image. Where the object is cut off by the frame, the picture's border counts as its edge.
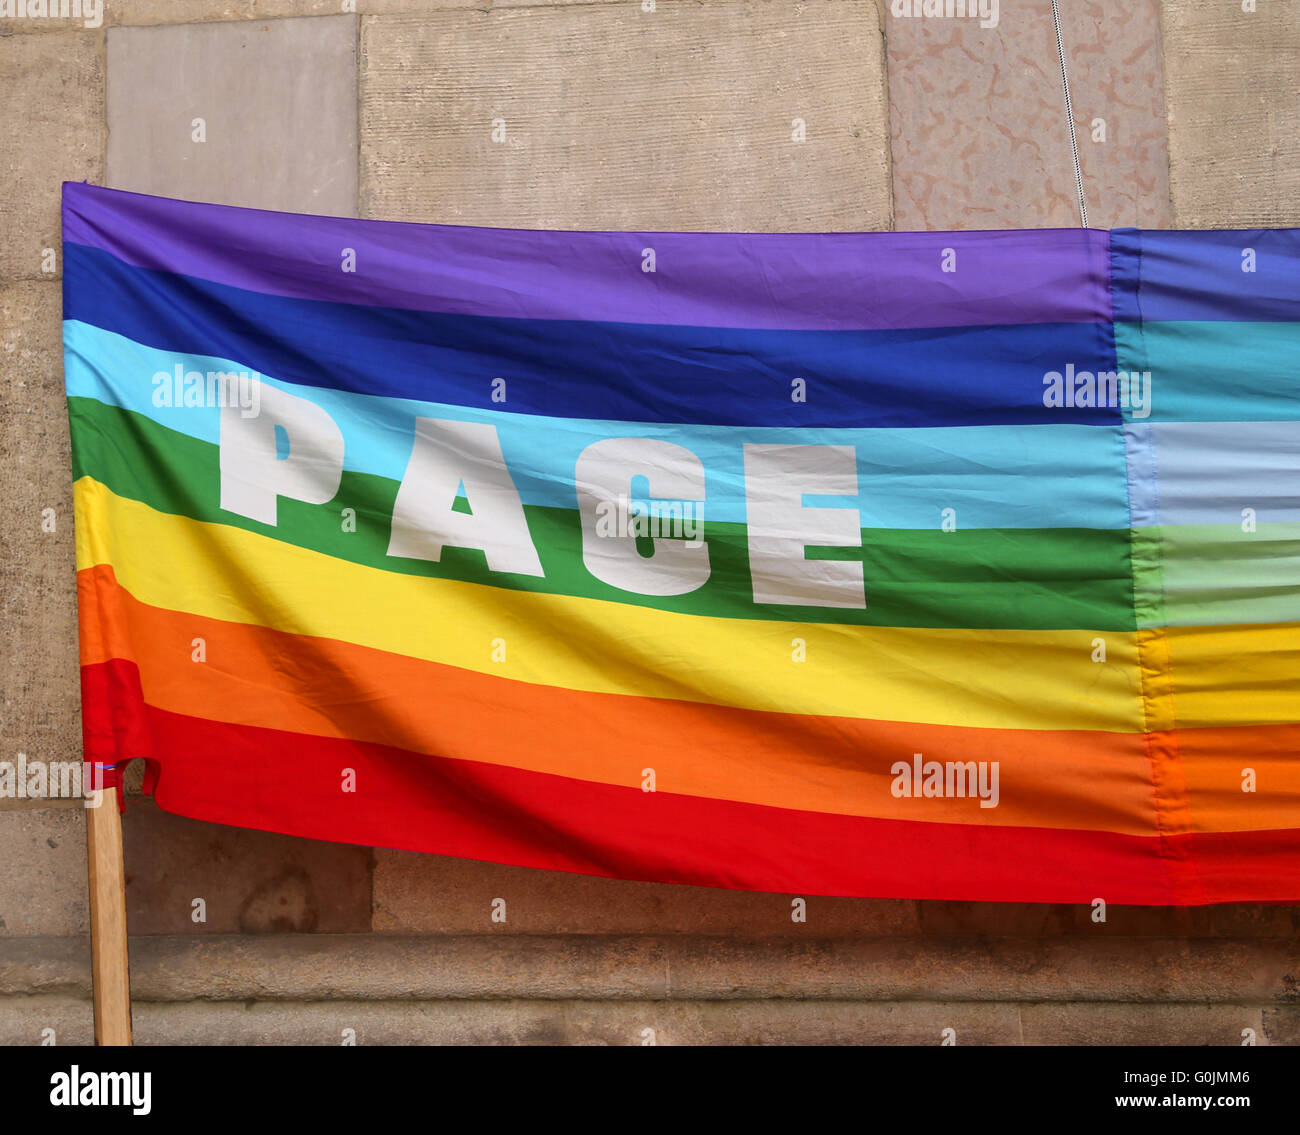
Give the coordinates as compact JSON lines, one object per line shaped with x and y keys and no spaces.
{"x":831,"y":281}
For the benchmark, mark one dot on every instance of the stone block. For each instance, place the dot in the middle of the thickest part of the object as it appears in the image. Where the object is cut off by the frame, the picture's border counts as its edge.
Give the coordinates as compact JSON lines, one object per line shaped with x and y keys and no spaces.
{"x":571,"y":1022}
{"x":1281,"y":1025}
{"x":1140,"y":1025}
{"x":1234,"y":113}
{"x":608,"y":117}
{"x":43,"y":887}
{"x":40,"y":702}
{"x":979,"y":134}
{"x":250,"y":882}
{"x":261,"y":113}
{"x":52,"y":131}
{"x":47,"y":1020}
{"x":434,"y":894}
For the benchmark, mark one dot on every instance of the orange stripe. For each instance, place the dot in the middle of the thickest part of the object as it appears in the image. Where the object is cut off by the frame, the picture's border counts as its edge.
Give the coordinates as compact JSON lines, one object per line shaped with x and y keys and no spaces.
{"x":256,"y":676}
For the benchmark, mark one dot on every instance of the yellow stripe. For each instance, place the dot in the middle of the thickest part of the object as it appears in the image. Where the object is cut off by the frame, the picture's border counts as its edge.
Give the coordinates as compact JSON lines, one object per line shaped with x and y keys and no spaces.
{"x":1000,"y":679}
{"x":1244,"y":675}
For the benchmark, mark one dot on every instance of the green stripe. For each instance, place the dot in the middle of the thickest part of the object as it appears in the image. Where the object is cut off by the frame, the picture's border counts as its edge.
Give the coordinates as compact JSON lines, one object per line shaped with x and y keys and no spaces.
{"x":1218,"y":575}
{"x":1005,"y":578}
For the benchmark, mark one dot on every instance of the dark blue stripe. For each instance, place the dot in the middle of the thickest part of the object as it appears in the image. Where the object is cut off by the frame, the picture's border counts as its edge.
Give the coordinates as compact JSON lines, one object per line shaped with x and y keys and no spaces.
{"x":625,"y":372}
{"x":1186,"y":276}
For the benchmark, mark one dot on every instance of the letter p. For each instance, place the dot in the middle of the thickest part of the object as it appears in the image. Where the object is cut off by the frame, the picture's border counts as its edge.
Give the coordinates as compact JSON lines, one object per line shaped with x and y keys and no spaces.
{"x":253,"y":473}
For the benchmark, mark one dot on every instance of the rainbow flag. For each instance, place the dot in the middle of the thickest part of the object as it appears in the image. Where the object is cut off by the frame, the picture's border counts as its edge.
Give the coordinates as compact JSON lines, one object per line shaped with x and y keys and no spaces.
{"x":937,"y":565}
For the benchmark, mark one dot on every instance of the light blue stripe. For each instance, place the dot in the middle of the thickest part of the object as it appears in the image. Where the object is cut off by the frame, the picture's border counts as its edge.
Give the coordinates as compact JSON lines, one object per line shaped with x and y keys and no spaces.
{"x":1211,"y":471}
{"x":1012,"y":476}
{"x":1143,"y":486}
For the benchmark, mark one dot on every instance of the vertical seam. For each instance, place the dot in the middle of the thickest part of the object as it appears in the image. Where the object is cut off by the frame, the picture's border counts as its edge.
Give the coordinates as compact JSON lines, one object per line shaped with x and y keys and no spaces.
{"x":1155,"y":663}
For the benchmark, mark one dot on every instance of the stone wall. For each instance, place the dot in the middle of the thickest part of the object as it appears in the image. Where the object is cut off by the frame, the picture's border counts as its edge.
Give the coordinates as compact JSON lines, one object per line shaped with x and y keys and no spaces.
{"x":678,"y":118}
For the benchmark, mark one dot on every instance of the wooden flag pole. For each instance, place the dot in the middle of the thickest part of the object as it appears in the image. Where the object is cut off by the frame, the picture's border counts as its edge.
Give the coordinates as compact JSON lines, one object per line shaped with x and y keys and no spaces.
{"x":108,"y":959}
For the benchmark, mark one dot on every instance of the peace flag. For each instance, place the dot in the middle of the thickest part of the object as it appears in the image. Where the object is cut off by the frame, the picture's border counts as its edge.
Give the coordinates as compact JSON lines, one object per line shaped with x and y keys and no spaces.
{"x":955,"y":565}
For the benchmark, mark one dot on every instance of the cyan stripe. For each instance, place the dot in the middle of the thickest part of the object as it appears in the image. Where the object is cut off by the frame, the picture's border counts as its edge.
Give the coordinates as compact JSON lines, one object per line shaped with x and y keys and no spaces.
{"x":1215,"y":371}
{"x":1021,"y":476}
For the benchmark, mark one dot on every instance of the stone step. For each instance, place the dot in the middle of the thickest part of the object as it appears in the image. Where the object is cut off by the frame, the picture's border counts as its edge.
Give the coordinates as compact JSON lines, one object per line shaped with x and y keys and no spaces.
{"x":381,"y":967}
{"x":23,"y":1020}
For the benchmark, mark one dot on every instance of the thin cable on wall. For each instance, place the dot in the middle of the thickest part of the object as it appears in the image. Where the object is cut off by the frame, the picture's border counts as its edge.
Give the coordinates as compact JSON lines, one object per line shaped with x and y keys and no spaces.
{"x":1069,"y":115}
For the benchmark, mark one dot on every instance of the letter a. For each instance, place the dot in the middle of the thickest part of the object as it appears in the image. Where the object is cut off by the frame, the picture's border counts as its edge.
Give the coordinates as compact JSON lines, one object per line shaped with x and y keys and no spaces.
{"x":446,"y":455}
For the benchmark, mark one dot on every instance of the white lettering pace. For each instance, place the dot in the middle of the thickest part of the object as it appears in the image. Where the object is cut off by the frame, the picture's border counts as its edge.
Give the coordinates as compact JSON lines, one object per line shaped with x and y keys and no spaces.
{"x":457,"y":491}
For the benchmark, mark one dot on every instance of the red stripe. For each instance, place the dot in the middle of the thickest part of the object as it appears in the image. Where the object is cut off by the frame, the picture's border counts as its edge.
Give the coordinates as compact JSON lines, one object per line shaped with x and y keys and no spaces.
{"x":113,"y":722}
{"x":292,"y":783}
